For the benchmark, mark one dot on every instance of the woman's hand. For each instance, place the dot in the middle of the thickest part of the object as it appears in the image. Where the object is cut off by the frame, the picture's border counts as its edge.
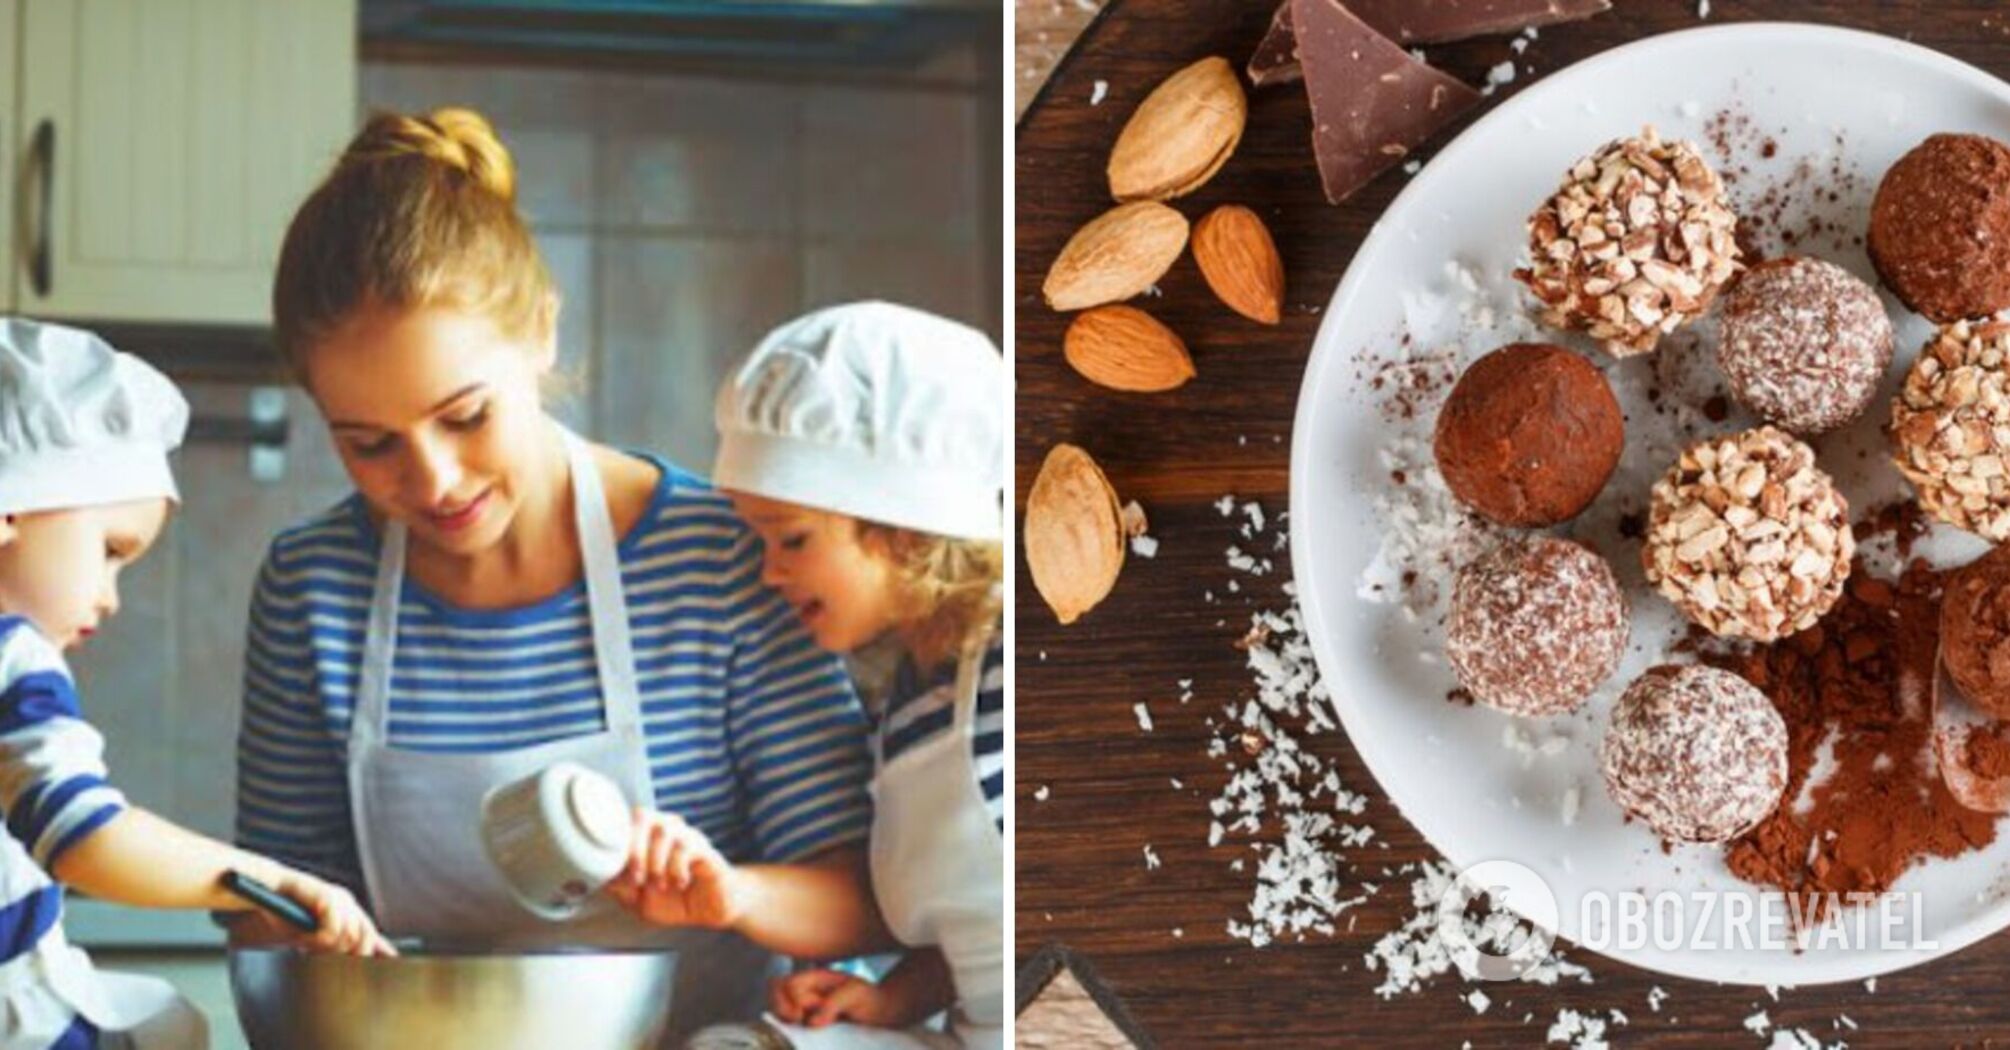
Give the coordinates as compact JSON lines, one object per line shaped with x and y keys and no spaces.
{"x":676,"y":877}
{"x":345,"y":926}
{"x":816,"y":998}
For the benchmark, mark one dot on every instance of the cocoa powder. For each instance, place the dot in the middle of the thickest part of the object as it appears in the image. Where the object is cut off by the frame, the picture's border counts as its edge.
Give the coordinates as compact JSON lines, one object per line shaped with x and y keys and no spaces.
{"x":1862,"y":678}
{"x":1988,"y":753}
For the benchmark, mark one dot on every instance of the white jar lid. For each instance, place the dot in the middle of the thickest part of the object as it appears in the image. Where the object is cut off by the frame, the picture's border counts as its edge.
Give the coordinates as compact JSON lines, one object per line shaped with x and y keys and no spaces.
{"x":599,"y":810}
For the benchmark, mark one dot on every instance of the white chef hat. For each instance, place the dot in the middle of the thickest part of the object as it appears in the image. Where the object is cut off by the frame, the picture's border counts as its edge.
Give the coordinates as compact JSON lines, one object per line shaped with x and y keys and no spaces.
{"x":81,"y":424}
{"x":878,"y":411}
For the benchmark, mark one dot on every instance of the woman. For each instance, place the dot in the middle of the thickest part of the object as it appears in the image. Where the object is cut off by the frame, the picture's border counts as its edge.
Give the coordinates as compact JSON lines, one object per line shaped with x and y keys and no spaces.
{"x":499,"y":595}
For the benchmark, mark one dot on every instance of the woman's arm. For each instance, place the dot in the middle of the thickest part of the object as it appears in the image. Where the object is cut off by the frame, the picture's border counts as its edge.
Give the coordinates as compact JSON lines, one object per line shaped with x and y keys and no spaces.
{"x":292,"y":784}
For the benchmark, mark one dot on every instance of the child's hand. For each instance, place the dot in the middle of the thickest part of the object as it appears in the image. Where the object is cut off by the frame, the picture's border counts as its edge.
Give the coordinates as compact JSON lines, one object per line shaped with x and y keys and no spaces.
{"x":815,"y":998}
{"x":675,"y":877}
{"x":345,"y":926}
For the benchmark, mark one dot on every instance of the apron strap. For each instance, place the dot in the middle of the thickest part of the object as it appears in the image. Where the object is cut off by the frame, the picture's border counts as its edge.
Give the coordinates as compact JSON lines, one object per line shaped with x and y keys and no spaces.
{"x":369,"y":721}
{"x":606,"y":599}
{"x":969,"y":678}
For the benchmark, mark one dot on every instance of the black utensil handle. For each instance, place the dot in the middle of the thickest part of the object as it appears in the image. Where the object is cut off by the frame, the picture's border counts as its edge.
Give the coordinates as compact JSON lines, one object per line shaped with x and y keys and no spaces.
{"x":290,"y":911}
{"x":40,"y":277}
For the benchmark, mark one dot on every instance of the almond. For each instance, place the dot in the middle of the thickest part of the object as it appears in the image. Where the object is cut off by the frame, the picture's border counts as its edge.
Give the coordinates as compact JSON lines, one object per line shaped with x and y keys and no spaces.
{"x":1125,"y":348}
{"x":1074,"y":535}
{"x":1181,"y":134}
{"x":1240,"y":262}
{"x":1119,"y":254}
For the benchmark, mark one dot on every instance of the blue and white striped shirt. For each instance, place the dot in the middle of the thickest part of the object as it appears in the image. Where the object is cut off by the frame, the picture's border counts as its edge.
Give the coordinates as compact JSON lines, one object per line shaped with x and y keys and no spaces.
{"x":918,"y":709}
{"x":752,"y":732}
{"x":52,"y":782}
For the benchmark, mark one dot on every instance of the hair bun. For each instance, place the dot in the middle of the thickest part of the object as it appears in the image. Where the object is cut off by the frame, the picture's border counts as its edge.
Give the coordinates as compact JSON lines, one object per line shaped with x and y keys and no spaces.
{"x":458,"y":138}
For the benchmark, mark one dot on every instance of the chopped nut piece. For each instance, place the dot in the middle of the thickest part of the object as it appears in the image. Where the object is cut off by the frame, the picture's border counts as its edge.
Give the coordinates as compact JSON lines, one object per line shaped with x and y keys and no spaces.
{"x":1622,"y":253}
{"x":1748,"y":537}
{"x":1950,"y":428}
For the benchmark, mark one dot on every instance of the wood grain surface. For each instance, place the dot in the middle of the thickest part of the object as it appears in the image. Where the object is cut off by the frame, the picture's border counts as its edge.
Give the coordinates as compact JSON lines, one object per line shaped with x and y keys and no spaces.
{"x":1081,"y":874}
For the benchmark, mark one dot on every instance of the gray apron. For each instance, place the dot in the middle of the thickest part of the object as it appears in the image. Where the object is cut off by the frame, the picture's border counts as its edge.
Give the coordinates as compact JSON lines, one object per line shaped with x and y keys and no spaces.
{"x":418,"y":814}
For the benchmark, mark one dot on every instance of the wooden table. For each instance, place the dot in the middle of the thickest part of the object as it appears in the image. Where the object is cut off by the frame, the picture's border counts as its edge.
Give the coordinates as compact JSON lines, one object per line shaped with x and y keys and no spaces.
{"x":1081,"y":876}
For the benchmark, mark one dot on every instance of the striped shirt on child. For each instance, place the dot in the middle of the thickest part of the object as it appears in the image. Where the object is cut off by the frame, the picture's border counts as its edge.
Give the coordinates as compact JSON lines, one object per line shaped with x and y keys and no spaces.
{"x":52,"y":790}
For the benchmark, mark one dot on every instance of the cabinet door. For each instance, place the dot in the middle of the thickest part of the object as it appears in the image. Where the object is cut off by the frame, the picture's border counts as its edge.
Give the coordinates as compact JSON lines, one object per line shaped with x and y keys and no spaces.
{"x":12,"y":142}
{"x":176,"y":138}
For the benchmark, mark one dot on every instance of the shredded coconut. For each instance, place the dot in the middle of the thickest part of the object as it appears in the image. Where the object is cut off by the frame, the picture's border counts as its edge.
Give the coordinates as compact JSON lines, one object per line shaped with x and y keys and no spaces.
{"x":1578,"y":1030}
{"x":1096,"y":96}
{"x":1144,"y":716}
{"x":1418,"y":951}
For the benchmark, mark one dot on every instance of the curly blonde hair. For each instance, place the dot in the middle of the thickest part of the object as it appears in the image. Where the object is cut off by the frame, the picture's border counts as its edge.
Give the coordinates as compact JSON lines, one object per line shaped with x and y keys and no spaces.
{"x":954,"y":582}
{"x":419,"y":211}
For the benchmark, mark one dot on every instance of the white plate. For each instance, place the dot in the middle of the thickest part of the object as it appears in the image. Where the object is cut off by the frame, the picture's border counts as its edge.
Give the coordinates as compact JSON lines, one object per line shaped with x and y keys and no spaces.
{"x":1828,"y":97}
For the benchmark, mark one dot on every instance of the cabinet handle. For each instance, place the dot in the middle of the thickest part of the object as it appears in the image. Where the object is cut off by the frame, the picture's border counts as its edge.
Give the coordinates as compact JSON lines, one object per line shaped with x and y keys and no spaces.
{"x":39,"y":276}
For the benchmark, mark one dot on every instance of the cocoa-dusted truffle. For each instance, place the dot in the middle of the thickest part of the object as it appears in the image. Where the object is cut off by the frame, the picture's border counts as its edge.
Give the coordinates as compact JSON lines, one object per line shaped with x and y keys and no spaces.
{"x":1536,"y":624}
{"x":1698,"y":753}
{"x":1948,"y":428}
{"x":1529,"y":435}
{"x":1940,"y":227}
{"x":1748,"y":537}
{"x":1975,"y":631}
{"x":1804,"y":343}
{"x":1635,"y":243}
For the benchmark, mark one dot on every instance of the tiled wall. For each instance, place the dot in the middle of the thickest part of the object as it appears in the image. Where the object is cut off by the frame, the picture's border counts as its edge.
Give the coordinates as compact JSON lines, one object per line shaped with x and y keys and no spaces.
{"x":682,"y":217}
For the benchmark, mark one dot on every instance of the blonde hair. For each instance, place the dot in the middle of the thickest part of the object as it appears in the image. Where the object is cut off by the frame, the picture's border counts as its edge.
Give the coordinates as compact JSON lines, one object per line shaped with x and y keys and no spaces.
{"x":419,"y":211}
{"x":953,"y":583}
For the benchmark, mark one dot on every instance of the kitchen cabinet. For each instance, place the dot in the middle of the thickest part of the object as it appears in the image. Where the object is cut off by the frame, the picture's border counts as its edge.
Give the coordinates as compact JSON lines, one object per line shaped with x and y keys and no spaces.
{"x":10,"y":25}
{"x":162,"y":146}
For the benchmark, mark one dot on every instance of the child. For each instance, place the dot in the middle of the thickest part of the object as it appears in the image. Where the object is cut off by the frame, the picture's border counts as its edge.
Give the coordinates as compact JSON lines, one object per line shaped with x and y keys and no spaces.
{"x":865,"y":444}
{"x":85,"y":432}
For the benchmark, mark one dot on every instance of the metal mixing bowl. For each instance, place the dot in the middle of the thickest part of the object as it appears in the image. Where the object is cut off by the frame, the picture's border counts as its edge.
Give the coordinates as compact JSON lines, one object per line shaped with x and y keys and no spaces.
{"x":293,"y":1000}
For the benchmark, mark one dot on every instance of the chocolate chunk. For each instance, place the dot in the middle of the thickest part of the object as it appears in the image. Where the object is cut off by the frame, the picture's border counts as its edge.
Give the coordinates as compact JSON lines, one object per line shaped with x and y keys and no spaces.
{"x":1416,"y":22}
{"x":1371,"y":102}
{"x":1276,"y":57}
{"x":1442,"y":21}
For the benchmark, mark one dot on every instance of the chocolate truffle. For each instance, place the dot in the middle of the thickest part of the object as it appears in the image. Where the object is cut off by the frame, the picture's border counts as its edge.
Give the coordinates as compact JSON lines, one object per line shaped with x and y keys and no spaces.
{"x":1804,"y":343}
{"x":1635,"y":243}
{"x":1536,"y":625}
{"x":1748,"y":537}
{"x":1529,"y":435}
{"x":1949,"y":425}
{"x":1698,"y":753}
{"x":1940,"y":227}
{"x":1975,"y":631}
